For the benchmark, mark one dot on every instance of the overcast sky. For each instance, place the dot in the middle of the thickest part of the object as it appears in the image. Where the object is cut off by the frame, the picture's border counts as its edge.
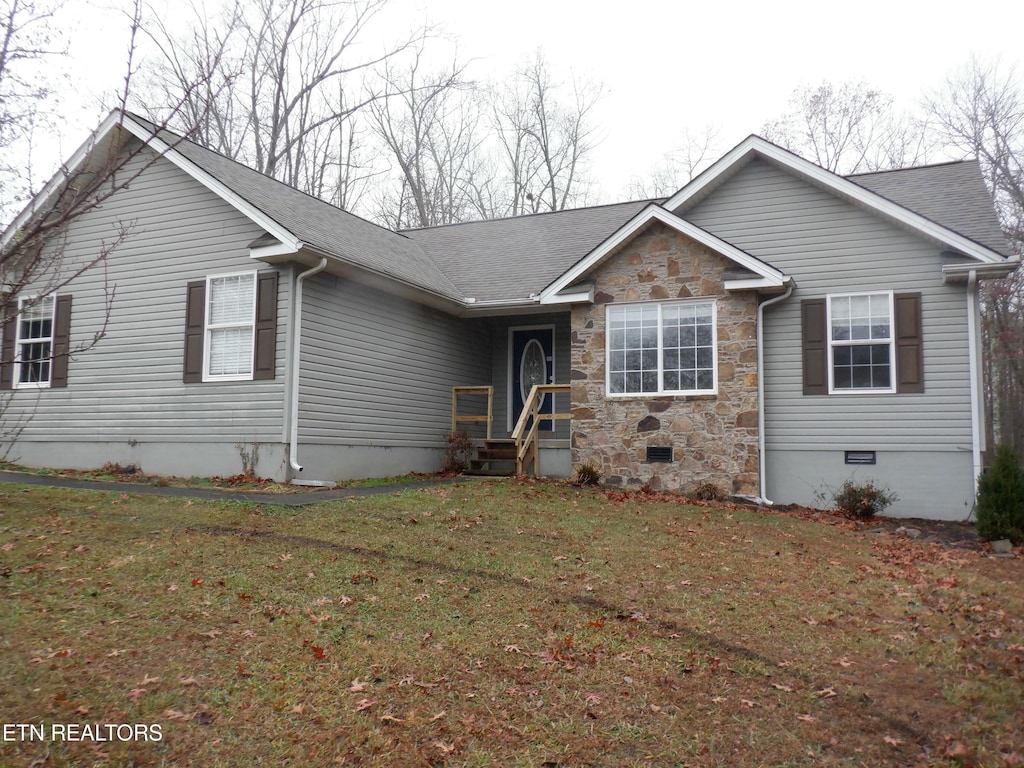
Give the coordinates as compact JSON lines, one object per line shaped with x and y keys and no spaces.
{"x":665,"y":66}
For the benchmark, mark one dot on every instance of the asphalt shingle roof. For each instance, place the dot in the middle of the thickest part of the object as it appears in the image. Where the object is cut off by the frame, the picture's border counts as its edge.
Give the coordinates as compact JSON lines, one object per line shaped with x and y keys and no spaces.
{"x":322,"y":226}
{"x":516,"y":257}
{"x":952,"y":195}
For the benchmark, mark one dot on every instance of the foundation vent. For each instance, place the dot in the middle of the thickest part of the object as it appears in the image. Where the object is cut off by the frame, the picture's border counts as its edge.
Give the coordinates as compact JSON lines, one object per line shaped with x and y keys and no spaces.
{"x":659,"y":454}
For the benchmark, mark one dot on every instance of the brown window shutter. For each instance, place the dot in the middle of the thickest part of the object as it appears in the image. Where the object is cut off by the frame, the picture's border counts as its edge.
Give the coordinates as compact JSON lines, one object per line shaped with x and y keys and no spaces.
{"x":909,"y":344}
{"x":61,"y":342}
{"x":7,"y":350}
{"x":265,"y":356}
{"x":815,"y":346}
{"x":195,"y":325}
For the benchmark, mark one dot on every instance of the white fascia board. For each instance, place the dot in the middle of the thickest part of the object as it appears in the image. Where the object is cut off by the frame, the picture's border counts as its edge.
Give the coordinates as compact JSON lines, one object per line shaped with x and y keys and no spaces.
{"x":651,"y":213}
{"x":166,"y":150}
{"x":272,"y":251}
{"x":754,"y":283}
{"x":585,"y":296}
{"x":755,"y":145}
{"x":77,"y":159}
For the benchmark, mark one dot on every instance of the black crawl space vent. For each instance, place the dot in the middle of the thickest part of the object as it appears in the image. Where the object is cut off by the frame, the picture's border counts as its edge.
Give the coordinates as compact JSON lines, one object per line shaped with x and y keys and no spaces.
{"x":659,"y":453}
{"x":861,"y":457}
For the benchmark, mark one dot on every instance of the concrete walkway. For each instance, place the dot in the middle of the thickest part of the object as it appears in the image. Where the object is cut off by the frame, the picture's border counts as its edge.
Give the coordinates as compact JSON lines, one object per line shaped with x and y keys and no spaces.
{"x":284,"y":499}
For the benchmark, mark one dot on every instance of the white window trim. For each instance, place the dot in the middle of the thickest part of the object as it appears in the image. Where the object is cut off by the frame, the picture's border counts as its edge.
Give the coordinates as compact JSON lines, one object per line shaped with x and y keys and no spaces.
{"x":661,"y":362}
{"x":17,"y":383}
{"x":832,"y":389}
{"x":207,"y":328}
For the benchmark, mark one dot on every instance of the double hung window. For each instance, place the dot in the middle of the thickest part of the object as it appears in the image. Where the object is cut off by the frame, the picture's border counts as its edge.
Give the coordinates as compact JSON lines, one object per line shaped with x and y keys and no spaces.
{"x":661,"y":348}
{"x":34,"y":345}
{"x":230,"y":326}
{"x":861,"y":341}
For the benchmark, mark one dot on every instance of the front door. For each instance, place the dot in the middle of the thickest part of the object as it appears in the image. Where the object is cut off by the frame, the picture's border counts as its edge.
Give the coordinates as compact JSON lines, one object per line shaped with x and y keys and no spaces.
{"x":532,"y":362}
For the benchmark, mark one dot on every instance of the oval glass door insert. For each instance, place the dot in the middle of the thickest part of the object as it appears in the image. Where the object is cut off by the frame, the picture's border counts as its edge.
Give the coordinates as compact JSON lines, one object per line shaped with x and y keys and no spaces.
{"x":533,"y":369}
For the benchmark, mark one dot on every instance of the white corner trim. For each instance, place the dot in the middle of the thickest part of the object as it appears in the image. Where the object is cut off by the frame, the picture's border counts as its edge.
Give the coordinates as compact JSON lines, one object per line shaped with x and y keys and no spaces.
{"x":756,"y":146}
{"x":627,"y":231}
{"x":288,"y":239}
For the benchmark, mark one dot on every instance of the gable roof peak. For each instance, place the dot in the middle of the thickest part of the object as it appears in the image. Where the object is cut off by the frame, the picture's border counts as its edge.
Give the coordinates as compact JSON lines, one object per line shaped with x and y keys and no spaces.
{"x":859,"y":194}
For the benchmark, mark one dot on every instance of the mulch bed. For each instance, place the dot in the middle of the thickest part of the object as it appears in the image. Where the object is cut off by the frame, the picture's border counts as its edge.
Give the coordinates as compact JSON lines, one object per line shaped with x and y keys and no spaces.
{"x":958,"y":534}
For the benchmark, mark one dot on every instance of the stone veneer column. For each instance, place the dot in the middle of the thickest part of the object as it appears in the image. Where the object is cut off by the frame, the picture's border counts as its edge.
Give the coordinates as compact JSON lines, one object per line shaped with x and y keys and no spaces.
{"x":714,"y":437}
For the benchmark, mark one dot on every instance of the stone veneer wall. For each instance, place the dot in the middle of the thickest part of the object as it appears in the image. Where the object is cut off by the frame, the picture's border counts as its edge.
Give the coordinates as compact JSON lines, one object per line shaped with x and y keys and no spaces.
{"x":714,"y":437}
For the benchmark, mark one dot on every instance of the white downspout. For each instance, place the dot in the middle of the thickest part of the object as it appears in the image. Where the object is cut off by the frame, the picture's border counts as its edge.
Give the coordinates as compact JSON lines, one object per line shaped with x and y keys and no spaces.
{"x":293,"y":365}
{"x":762,"y":466}
{"x":977,"y":417}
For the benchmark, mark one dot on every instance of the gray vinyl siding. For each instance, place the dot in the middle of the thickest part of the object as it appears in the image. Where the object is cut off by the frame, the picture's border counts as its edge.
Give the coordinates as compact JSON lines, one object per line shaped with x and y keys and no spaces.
{"x":377,"y":370}
{"x":128,"y":386}
{"x":830,"y":246}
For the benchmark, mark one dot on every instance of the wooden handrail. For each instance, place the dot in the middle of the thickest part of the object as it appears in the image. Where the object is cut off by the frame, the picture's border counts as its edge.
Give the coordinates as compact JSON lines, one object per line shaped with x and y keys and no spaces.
{"x":526,"y":437}
{"x":457,"y":418}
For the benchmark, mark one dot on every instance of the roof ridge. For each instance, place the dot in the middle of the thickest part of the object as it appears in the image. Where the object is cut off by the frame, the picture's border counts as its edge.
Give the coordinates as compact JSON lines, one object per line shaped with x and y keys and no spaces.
{"x":926,"y":166}
{"x":525,"y":216}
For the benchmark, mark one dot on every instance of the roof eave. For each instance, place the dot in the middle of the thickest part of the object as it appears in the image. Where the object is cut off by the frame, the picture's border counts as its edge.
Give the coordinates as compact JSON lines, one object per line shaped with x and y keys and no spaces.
{"x":960,"y":273}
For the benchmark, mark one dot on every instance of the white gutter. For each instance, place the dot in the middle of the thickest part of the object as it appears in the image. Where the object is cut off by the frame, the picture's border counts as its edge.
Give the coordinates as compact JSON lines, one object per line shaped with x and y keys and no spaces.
{"x":762,"y":466}
{"x":293,"y":366}
{"x":977,"y":418}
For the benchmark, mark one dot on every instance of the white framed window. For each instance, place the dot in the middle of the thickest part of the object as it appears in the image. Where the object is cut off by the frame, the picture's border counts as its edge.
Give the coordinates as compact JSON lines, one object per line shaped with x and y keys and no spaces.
{"x":34,"y":343}
{"x":662,"y":348}
{"x":230,"y":327}
{"x":862,"y":354}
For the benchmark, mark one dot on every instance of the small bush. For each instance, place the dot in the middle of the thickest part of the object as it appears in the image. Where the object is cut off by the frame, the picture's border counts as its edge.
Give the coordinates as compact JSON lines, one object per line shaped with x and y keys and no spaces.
{"x":112,"y":468}
{"x":458,"y":451}
{"x":586,"y":473}
{"x":862,"y":501}
{"x":1001,"y":498}
{"x":708,"y":492}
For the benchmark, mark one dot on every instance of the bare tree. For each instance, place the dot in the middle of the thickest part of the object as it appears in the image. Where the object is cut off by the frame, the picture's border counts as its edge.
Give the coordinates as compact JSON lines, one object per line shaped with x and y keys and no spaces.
{"x":35,"y":262}
{"x":678,"y":167}
{"x":848,"y":128}
{"x":980,"y":113}
{"x":285,"y":94}
{"x":546,"y":139}
{"x":28,"y":38}
{"x":430,"y":126}
{"x":1003,"y":327}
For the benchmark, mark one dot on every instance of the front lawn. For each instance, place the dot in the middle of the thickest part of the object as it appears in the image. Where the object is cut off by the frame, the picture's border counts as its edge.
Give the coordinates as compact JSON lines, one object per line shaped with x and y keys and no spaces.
{"x":497,"y":623}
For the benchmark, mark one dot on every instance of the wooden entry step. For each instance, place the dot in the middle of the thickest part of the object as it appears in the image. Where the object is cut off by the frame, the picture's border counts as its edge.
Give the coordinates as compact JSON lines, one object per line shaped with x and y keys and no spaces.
{"x":494,"y":457}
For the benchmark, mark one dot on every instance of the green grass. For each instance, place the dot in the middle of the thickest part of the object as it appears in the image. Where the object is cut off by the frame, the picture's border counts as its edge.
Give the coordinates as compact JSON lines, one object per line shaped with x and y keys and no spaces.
{"x":498,"y":623}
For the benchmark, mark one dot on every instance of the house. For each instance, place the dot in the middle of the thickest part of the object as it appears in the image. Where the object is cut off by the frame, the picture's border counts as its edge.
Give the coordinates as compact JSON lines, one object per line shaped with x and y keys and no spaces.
{"x":772,"y":328}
